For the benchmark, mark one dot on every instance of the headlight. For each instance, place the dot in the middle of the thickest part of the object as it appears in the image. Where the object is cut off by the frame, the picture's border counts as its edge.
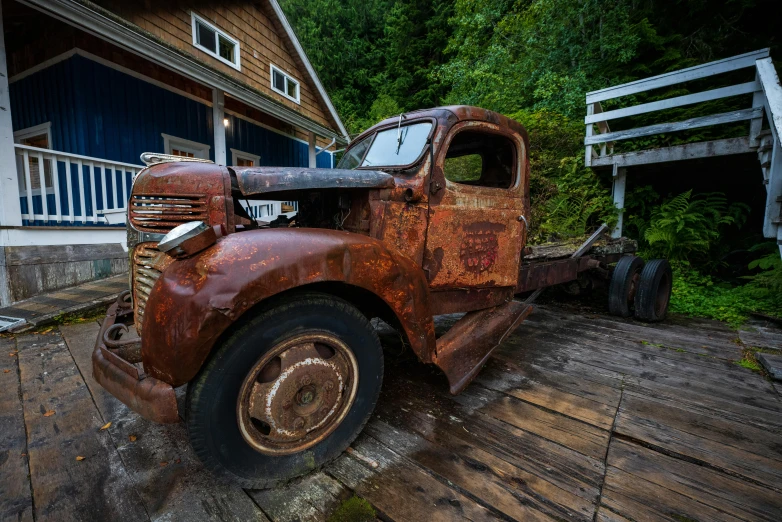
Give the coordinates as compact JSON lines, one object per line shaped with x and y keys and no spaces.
{"x":188,"y":239}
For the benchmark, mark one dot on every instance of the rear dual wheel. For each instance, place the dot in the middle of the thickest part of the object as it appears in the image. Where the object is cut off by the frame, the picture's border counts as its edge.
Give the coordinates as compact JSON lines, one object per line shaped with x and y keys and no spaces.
{"x":287,"y":392}
{"x":640,"y":289}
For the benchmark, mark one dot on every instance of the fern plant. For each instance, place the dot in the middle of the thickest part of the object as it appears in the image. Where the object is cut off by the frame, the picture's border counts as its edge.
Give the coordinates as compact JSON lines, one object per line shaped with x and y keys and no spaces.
{"x":580,"y":203}
{"x":687,"y":227}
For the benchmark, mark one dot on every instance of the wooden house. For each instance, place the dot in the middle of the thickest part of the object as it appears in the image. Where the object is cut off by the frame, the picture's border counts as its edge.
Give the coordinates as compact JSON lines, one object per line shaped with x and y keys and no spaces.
{"x":87,"y":86}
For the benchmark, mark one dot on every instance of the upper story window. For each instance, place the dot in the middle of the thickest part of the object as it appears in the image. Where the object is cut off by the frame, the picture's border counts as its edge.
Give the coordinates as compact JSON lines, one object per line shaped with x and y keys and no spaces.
{"x":284,"y":84}
{"x":216,"y":42}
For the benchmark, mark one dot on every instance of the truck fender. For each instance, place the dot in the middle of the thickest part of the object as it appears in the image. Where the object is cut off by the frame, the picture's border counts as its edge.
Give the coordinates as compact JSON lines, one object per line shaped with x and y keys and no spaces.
{"x":196,"y":299}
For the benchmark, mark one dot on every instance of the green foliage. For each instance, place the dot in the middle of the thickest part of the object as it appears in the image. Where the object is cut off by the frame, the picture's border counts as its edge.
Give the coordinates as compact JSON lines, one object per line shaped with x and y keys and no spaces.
{"x":770,"y":266}
{"x":687,"y":227}
{"x":463,"y":168}
{"x":700,"y":295}
{"x":581,"y":202}
{"x":374,"y":57}
{"x":568,"y":199}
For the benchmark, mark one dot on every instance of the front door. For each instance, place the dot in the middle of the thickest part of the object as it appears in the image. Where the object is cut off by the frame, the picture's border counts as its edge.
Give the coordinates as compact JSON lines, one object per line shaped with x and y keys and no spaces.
{"x":475,"y":232}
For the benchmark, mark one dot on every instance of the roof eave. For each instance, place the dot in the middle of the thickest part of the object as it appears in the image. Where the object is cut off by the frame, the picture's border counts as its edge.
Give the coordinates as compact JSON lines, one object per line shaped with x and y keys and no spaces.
{"x":105,"y":25}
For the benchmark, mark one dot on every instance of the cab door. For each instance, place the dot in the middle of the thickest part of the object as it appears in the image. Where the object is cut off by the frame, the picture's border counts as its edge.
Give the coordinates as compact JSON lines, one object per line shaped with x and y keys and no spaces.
{"x":477,"y":222}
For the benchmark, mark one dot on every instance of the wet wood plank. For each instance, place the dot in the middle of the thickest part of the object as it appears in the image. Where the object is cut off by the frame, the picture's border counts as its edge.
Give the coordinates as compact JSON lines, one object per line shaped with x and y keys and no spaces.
{"x":64,"y":488}
{"x":737,"y":391}
{"x":170,"y":480}
{"x":310,"y":499}
{"x":400,"y":490}
{"x":722,"y":492}
{"x":15,"y":494}
{"x":744,"y":451}
{"x":644,"y":338}
{"x":514,"y":492}
{"x":434,"y":411}
{"x":505,"y":378}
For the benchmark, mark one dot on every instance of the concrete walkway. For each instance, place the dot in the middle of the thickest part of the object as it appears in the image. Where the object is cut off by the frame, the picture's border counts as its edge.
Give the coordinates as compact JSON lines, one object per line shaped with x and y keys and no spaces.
{"x":43,"y":309}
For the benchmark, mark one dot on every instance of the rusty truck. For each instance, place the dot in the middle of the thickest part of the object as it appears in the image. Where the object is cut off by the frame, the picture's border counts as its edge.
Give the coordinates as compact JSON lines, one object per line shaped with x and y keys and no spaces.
{"x":268,"y":323}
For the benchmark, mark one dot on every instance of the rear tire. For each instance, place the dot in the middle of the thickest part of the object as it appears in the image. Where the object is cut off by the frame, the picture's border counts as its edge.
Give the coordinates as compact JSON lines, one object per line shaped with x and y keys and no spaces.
{"x":624,"y":282}
{"x":654,"y":291}
{"x":218,"y":410}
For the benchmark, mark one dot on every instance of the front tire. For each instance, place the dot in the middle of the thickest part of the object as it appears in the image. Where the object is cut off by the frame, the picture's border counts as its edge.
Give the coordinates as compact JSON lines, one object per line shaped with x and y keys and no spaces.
{"x":287,"y":392}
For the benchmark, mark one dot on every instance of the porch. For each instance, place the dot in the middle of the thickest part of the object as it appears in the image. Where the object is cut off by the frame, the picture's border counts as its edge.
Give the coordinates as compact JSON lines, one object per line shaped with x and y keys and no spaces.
{"x":78,"y":108}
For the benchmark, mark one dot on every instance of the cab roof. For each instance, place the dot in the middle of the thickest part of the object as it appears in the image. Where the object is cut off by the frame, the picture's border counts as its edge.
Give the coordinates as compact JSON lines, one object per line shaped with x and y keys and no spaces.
{"x":448,"y":116}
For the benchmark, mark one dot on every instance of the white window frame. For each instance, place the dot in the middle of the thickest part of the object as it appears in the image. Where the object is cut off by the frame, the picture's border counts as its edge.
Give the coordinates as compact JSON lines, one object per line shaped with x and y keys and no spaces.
{"x":237,"y":53}
{"x":199,"y":150}
{"x":288,"y":77}
{"x":43,"y":128}
{"x":237,"y":154}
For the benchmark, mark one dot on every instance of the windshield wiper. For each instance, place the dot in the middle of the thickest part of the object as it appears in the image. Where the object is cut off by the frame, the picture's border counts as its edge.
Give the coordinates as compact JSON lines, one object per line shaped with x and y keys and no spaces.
{"x":399,"y":134}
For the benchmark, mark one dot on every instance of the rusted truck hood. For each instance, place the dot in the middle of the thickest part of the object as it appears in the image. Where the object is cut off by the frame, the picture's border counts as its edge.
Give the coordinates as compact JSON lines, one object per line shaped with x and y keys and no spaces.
{"x":260,"y":180}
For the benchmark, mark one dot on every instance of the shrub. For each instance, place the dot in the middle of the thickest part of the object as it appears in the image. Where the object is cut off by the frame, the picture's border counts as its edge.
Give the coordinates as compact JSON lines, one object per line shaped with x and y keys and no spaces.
{"x":686,"y":227}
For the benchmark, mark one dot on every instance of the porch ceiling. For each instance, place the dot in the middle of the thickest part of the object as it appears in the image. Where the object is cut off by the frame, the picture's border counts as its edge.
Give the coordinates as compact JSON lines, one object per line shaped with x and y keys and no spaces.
{"x":94,"y":20}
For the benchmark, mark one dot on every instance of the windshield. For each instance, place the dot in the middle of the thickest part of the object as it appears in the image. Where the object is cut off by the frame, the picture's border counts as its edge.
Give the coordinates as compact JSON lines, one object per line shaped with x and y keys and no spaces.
{"x":391,"y":148}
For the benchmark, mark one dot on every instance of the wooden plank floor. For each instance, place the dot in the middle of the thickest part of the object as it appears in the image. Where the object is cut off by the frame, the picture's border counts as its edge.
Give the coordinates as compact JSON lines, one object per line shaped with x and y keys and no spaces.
{"x":576,"y":417}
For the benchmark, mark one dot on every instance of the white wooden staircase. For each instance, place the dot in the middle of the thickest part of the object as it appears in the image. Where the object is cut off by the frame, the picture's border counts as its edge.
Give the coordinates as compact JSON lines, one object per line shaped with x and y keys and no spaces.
{"x":764,"y":136}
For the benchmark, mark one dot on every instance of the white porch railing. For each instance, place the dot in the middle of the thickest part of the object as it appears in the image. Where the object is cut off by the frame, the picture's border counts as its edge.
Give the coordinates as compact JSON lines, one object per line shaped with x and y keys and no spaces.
{"x":80,"y":190}
{"x":270,"y":210}
{"x":59,"y":188}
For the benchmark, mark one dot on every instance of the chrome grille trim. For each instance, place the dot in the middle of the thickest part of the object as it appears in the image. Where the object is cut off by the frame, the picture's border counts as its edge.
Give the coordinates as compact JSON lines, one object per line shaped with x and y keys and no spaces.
{"x":146,"y":271}
{"x":160,"y":213}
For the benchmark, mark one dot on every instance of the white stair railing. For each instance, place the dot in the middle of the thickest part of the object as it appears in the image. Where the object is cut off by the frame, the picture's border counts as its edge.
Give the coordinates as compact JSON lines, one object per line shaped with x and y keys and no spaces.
{"x":772,"y":166}
{"x":63,"y":188}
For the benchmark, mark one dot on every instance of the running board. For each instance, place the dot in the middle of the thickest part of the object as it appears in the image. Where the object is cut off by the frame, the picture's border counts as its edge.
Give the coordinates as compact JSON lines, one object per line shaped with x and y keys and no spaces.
{"x":465,"y":348}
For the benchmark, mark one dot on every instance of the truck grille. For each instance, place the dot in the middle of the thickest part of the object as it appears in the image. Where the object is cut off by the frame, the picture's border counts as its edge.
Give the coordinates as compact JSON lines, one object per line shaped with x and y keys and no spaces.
{"x":146,"y":270}
{"x":151,"y":213}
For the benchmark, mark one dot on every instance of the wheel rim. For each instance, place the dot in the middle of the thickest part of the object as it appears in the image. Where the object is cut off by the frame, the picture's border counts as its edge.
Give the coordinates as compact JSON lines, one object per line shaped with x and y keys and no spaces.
{"x":297,"y":393}
{"x":632,"y":288}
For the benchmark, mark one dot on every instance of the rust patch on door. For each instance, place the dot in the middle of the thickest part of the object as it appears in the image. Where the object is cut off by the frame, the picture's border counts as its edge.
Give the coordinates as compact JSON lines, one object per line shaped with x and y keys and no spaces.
{"x":480,"y":247}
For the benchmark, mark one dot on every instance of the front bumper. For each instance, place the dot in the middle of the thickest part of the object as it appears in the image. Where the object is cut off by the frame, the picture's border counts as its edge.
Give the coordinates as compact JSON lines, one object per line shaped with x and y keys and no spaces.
{"x":151,"y":398}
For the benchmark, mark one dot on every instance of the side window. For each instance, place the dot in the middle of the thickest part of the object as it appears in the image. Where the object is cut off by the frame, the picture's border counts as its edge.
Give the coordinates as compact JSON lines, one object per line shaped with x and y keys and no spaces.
{"x":481,"y":159}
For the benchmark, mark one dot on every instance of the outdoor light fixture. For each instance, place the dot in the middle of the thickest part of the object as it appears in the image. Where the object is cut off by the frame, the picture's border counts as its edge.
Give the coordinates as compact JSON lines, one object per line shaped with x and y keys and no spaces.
{"x":188,"y":239}
{"x":225,"y":122}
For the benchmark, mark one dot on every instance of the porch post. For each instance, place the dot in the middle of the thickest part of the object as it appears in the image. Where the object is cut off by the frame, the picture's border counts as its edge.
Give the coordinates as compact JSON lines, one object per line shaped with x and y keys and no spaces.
{"x":10,"y":209}
{"x":620,"y":177}
{"x":313,"y":160}
{"x":218,"y":114}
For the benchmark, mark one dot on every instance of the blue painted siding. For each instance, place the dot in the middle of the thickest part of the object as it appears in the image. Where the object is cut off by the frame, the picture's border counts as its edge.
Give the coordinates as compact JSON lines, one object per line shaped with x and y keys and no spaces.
{"x":104,"y":113}
{"x":273,"y":148}
{"x":101,"y":112}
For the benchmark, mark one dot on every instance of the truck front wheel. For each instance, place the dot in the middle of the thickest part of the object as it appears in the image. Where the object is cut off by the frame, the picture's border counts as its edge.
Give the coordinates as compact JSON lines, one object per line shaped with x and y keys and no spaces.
{"x":287,"y":392}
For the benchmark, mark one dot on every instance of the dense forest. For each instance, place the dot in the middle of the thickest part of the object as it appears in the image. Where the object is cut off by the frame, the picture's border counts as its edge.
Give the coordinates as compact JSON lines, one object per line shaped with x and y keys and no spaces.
{"x":534,"y":60}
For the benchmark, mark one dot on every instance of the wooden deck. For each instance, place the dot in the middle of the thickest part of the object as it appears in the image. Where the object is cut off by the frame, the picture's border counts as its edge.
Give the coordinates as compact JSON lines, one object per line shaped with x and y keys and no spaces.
{"x":577,"y":417}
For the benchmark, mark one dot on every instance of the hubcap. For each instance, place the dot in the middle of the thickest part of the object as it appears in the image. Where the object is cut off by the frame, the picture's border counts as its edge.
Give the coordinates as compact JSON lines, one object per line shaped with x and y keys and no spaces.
{"x":297,"y":393}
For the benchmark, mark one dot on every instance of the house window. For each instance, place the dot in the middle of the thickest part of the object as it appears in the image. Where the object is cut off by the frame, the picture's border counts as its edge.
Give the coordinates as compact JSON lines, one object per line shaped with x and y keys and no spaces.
{"x":185,"y":148}
{"x":213,"y":41}
{"x":284,"y":84}
{"x":244,"y":159}
{"x":39,"y":136}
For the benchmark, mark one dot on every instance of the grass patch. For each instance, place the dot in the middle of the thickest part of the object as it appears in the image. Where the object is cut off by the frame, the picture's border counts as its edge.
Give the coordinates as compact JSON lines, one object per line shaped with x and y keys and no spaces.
{"x":698,"y":295}
{"x":750,"y":363}
{"x":354,"y":509}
